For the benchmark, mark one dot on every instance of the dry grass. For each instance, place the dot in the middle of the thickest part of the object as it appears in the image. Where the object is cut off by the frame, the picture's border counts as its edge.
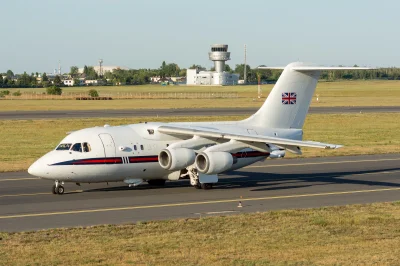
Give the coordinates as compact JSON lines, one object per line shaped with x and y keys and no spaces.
{"x":348,"y":235}
{"x":370,"y":133}
{"x":344,"y":93}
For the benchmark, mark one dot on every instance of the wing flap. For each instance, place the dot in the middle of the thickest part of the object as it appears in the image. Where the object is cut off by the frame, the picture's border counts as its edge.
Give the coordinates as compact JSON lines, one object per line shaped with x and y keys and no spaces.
{"x":215,"y":134}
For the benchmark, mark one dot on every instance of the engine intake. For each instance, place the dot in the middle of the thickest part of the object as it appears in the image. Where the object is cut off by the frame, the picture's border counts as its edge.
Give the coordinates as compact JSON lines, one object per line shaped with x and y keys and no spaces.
{"x":176,"y":159}
{"x":211,"y":163}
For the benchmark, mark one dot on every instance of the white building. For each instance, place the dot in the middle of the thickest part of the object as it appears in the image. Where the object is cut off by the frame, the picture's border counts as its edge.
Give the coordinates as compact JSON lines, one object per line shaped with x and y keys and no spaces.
{"x":104,"y":69}
{"x":219,"y":54}
{"x":195,"y":77}
{"x":94,"y":82}
{"x":71,"y":82}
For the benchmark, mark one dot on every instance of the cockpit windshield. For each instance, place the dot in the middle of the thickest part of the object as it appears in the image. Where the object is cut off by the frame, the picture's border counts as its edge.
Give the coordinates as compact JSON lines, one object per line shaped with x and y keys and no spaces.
{"x":81,"y":147}
{"x":77,"y":147}
{"x":64,"y":147}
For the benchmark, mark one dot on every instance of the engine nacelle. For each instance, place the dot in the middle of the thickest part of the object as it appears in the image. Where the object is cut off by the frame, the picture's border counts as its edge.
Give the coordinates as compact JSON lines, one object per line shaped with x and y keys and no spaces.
{"x":211,"y":163}
{"x":176,"y":159}
{"x":277,"y":154}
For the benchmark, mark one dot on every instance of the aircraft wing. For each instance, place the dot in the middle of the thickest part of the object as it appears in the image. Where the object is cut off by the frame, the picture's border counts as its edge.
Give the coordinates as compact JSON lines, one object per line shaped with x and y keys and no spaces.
{"x":216,"y":134}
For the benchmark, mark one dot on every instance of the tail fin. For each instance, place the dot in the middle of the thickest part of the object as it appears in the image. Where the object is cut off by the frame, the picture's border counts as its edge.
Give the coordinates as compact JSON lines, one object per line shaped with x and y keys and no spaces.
{"x":287,"y":104}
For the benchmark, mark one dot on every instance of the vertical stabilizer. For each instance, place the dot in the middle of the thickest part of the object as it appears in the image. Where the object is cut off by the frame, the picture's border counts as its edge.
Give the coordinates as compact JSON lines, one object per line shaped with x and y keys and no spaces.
{"x":287,"y":104}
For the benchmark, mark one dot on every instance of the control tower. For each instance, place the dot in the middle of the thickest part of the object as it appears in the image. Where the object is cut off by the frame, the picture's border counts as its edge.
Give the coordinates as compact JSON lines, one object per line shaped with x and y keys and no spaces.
{"x":219,"y":54}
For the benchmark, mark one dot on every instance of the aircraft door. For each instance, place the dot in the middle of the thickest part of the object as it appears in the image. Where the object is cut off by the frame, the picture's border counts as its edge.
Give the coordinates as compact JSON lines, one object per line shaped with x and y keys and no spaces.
{"x":108,"y":144}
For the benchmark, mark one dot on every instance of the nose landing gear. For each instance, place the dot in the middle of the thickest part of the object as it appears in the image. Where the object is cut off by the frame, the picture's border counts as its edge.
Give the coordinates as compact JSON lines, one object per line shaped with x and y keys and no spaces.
{"x":58,"y":188}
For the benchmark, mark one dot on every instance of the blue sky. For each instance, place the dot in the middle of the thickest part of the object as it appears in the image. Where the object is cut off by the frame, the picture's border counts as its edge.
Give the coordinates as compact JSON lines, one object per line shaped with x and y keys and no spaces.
{"x":35,"y":35}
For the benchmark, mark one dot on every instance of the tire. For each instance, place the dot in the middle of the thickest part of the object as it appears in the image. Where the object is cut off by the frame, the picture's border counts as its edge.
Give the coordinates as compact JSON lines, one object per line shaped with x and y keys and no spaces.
{"x":157,"y":182}
{"x":206,"y":186}
{"x":60,"y":190}
{"x":198,"y":186}
{"x":53,"y":190}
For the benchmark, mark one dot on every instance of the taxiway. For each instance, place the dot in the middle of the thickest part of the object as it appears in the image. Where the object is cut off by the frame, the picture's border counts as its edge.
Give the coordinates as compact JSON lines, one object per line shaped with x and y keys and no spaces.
{"x":26,"y":202}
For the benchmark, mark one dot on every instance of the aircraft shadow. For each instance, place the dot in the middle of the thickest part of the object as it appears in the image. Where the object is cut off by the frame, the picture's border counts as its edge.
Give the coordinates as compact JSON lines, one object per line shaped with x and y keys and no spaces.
{"x":270,"y":181}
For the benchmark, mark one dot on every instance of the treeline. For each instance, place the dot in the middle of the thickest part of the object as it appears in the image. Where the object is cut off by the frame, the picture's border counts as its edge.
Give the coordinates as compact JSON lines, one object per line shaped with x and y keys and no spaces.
{"x":143,"y":76}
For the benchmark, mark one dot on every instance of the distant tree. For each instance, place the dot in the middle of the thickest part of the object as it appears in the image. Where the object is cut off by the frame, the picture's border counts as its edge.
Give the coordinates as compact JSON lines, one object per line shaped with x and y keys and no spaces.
{"x":90,"y":73}
{"x":54,"y":90}
{"x":57,"y":81}
{"x":194,"y":66}
{"x":44,"y":77}
{"x":17,"y":93}
{"x":37,"y":74}
{"x":10,"y":74}
{"x":24,"y":80}
{"x":93,"y":93}
{"x":76,"y":82}
{"x":239,"y":69}
{"x":74,"y":71}
{"x":227,"y":68}
{"x":85,"y":70}
{"x":182,"y":72}
{"x":1,"y":79}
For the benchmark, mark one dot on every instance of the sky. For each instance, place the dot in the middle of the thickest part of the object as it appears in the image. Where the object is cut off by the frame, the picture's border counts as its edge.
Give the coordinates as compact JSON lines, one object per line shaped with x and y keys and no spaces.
{"x":37,"y":34}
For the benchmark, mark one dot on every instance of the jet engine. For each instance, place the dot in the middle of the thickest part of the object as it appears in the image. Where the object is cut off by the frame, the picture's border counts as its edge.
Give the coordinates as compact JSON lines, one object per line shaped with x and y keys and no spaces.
{"x":211,"y":163}
{"x":176,"y":159}
{"x":277,"y":154}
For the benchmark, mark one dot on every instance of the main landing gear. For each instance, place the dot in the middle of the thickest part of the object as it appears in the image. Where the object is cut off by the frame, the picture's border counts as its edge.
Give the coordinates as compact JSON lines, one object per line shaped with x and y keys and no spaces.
{"x":58,"y":188}
{"x":204,"y":186}
{"x":195,"y":182}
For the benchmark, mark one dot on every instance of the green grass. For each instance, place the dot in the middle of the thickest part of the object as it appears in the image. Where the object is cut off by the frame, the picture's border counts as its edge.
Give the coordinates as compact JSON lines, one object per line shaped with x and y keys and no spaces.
{"x":343,"y":93}
{"x":25,"y":141}
{"x":348,"y":235}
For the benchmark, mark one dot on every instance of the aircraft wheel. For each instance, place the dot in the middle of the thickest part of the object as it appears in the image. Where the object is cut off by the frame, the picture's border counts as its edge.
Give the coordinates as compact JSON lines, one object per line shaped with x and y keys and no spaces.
{"x":206,"y":186}
{"x":54,"y":189}
{"x":156,"y":182}
{"x":60,"y":190}
{"x":197,"y":186}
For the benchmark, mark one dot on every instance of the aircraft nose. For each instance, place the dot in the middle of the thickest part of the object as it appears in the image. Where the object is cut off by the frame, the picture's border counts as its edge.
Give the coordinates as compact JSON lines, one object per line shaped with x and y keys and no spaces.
{"x":36,"y":170}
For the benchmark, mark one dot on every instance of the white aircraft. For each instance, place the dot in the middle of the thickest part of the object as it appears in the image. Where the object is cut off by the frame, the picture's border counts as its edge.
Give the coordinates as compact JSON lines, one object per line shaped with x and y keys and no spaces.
{"x":156,"y":152}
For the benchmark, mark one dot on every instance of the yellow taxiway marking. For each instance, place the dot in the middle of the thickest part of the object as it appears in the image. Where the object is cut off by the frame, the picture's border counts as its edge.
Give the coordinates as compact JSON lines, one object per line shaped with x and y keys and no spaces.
{"x":316,"y":163}
{"x":18,"y":179}
{"x":194,"y":203}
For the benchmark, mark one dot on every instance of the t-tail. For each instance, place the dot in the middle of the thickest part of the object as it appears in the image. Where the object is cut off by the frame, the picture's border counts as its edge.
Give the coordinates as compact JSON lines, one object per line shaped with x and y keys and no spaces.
{"x":287,"y":104}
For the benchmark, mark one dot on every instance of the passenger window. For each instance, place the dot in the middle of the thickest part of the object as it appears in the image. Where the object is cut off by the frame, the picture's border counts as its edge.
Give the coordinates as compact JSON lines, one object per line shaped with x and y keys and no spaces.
{"x":86,"y":147}
{"x":134,"y":147}
{"x":77,"y":147}
{"x":151,"y":131}
{"x":64,"y":147}
{"x":141,"y":147}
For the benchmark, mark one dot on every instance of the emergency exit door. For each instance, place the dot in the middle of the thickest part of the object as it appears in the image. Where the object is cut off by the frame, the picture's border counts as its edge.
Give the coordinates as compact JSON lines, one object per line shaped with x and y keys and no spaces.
{"x":108,"y":144}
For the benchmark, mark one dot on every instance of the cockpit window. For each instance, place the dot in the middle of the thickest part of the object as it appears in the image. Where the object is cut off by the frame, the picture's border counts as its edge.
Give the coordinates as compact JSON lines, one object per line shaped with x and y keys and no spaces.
{"x":64,"y":147}
{"x":86,"y":147}
{"x":77,"y":147}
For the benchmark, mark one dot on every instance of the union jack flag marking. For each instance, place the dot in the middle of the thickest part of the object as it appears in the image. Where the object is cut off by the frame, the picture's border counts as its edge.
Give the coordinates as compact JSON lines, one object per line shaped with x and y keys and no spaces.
{"x":289,"y":97}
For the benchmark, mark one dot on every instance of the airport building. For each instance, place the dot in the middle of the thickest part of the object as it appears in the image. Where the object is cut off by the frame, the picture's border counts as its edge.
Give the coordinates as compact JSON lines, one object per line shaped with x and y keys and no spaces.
{"x":104,"y":69}
{"x":219,"y":54}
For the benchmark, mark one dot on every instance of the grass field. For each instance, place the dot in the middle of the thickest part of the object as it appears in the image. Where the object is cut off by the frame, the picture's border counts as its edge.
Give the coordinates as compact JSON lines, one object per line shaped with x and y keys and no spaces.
{"x":369,"y":133}
{"x":343,"y":93}
{"x":348,"y":235}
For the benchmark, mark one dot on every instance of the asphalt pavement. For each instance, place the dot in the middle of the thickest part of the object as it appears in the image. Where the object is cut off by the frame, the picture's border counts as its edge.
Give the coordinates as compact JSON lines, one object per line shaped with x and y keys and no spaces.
{"x":26,"y":203}
{"x":24,"y":115}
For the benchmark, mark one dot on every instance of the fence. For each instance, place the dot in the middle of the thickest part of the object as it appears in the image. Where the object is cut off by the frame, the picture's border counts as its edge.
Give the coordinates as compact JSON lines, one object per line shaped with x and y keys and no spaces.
{"x":128,"y":95}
